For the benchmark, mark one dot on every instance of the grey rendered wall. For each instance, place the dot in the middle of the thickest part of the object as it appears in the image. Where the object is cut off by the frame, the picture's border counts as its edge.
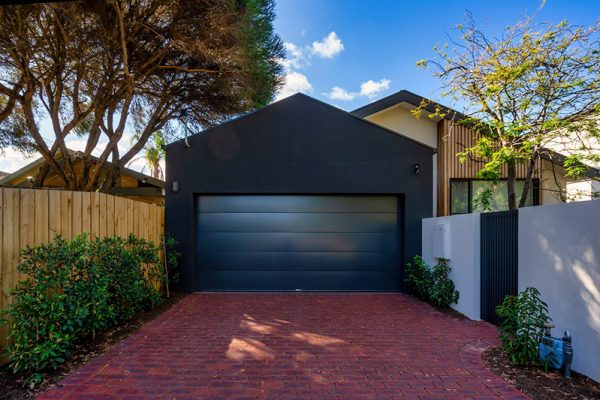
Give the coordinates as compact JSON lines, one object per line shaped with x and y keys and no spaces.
{"x":559,"y":253}
{"x":463,"y":251}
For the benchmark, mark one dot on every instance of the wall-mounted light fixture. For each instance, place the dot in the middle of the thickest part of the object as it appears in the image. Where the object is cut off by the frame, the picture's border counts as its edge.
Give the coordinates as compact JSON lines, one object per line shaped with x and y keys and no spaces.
{"x":417,"y":168}
{"x":175,"y":187}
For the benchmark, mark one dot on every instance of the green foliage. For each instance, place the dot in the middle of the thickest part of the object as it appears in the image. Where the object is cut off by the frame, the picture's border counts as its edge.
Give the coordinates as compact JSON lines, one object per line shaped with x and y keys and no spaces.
{"x":483,"y":199}
{"x":442,"y":292}
{"x":418,"y":277}
{"x":75,"y":289}
{"x":144,"y":61}
{"x":133,"y":268}
{"x":153,"y":153}
{"x":431,"y":284}
{"x":522,"y":326}
{"x":530,"y":87}
{"x":262,"y":46}
{"x":173,"y":256}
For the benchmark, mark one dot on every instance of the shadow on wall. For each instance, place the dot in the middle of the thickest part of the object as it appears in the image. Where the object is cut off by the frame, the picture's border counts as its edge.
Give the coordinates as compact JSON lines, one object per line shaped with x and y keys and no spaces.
{"x":559,"y":253}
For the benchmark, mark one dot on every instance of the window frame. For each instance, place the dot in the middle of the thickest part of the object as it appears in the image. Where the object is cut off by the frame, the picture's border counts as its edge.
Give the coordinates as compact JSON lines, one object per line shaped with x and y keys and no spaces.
{"x":535,"y":190}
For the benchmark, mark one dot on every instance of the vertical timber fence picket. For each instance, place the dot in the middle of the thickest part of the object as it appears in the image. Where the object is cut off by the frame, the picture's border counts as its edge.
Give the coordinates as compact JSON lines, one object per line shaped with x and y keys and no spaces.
{"x":499,"y":260}
{"x":34,"y":216}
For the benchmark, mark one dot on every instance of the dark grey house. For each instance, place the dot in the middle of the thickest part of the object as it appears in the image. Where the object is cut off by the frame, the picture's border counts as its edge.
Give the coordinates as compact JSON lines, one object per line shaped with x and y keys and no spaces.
{"x":297,"y":196}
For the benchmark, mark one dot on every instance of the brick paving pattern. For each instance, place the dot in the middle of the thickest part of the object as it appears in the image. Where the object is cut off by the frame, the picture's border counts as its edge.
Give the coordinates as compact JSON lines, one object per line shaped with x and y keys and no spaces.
{"x":295,"y":346}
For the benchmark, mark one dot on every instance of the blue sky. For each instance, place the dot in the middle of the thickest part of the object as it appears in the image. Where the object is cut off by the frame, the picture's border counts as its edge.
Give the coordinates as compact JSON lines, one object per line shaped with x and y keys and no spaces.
{"x":349,"y":52}
{"x":379,"y":41}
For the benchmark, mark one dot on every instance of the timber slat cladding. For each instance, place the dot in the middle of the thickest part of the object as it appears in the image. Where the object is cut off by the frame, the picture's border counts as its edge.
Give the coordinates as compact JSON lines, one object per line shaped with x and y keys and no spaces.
{"x":33,"y":216}
{"x":452,"y":140}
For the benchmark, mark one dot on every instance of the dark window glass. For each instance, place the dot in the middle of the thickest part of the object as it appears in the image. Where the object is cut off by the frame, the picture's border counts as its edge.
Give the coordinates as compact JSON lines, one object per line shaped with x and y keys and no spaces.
{"x":459,"y":204}
{"x":466,"y":195}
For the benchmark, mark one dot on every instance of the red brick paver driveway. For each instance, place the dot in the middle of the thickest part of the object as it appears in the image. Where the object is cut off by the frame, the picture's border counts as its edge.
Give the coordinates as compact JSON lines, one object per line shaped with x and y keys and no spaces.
{"x":304,"y":346}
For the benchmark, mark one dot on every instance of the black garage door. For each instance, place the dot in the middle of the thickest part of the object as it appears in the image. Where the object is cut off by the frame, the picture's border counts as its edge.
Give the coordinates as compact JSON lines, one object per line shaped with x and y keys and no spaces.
{"x":298,"y":242}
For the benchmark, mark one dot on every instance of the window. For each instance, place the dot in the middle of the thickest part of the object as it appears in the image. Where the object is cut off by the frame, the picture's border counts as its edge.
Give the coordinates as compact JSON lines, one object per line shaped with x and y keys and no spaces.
{"x":464,"y":194}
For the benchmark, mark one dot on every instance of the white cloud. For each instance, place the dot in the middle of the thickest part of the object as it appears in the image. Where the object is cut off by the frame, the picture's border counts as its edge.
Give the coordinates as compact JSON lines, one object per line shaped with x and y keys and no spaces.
{"x":298,"y":57}
{"x":12,"y":159}
{"x":372,"y":88}
{"x":338,"y":93}
{"x":81,"y":143}
{"x":330,"y":46}
{"x":295,"y":57}
{"x":294,"y":82}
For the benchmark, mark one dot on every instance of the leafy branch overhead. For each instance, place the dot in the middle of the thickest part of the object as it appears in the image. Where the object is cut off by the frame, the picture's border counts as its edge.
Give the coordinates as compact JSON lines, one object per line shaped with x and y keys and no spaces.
{"x":536,"y":86}
{"x":97,"y":68}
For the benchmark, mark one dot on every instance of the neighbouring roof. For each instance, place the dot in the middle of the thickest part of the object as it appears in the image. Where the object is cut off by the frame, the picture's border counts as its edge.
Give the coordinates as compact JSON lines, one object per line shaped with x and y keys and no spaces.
{"x":3,"y":174}
{"x":404,"y":96}
{"x":75,"y":155}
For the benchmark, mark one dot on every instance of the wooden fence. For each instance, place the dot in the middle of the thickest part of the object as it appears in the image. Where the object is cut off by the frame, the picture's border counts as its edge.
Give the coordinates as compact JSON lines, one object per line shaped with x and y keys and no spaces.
{"x":35,"y":216}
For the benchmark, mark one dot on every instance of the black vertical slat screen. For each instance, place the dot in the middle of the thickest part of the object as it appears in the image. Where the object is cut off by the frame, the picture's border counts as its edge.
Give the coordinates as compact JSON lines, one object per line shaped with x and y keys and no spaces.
{"x":499,"y":260}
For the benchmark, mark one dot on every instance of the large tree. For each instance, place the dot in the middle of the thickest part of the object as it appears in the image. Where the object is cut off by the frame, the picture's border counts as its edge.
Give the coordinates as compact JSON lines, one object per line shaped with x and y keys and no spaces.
{"x":98,"y":69}
{"x":525,"y":90}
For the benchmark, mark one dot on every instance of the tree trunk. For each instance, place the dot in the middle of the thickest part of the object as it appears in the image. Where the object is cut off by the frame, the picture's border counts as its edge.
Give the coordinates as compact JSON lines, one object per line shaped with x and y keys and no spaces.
{"x":510,"y":185}
{"x":528,"y":180}
{"x":41,"y":176}
{"x":110,"y":180}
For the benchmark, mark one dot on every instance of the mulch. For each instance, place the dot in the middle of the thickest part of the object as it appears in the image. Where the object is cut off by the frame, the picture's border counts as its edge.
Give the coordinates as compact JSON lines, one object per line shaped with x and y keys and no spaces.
{"x":13,"y":387}
{"x":538,"y":384}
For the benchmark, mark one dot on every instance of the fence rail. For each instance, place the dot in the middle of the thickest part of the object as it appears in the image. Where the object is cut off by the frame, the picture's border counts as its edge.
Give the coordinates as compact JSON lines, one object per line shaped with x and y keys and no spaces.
{"x":35,"y":216}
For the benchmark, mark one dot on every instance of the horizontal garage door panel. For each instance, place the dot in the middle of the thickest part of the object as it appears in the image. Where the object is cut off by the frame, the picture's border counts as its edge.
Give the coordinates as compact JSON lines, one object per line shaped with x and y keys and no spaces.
{"x":298,"y":222}
{"x":296,"y":204}
{"x":309,"y":261}
{"x":248,"y":242}
{"x":290,"y":281}
{"x":282,"y":241}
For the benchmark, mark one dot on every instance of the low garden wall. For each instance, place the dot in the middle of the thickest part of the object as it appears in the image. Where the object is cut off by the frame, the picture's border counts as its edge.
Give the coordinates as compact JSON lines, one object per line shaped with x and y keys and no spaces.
{"x":462,"y":251}
{"x":558,"y":253}
{"x":35,"y":216}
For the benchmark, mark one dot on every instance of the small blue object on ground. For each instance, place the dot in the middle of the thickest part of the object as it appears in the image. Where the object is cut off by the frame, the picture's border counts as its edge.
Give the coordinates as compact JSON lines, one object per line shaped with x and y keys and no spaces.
{"x":552,"y":348}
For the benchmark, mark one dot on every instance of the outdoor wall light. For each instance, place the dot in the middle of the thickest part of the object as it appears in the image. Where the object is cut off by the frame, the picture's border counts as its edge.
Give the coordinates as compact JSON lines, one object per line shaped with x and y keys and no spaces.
{"x":417,"y":168}
{"x":175,"y":186}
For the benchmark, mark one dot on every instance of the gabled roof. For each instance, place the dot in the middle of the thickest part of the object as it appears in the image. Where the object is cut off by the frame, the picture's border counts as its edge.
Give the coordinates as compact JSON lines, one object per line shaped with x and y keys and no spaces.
{"x":404,"y":96}
{"x":75,"y":155}
{"x":297,"y":100}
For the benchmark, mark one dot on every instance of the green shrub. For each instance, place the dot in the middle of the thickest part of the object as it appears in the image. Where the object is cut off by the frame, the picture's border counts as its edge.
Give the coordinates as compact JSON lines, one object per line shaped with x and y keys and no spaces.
{"x":442,"y":291}
{"x":522,"y":326}
{"x":431,"y":284}
{"x":74,"y":289}
{"x":418,"y":278}
{"x":173,"y":256}
{"x":134,"y":271}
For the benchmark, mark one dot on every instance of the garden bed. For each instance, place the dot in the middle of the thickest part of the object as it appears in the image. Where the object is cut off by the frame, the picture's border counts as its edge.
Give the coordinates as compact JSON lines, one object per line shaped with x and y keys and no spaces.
{"x":12,"y":385}
{"x":538,"y":384}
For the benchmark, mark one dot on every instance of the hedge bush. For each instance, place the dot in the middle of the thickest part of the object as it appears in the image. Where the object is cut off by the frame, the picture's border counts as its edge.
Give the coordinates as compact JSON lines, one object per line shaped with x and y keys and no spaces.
{"x":74,"y":289}
{"x":431,"y":284}
{"x":418,"y":278}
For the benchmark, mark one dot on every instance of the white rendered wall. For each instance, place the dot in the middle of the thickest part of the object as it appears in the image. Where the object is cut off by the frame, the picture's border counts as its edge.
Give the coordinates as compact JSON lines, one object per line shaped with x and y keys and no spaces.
{"x":463,"y":251}
{"x":559,"y":254}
